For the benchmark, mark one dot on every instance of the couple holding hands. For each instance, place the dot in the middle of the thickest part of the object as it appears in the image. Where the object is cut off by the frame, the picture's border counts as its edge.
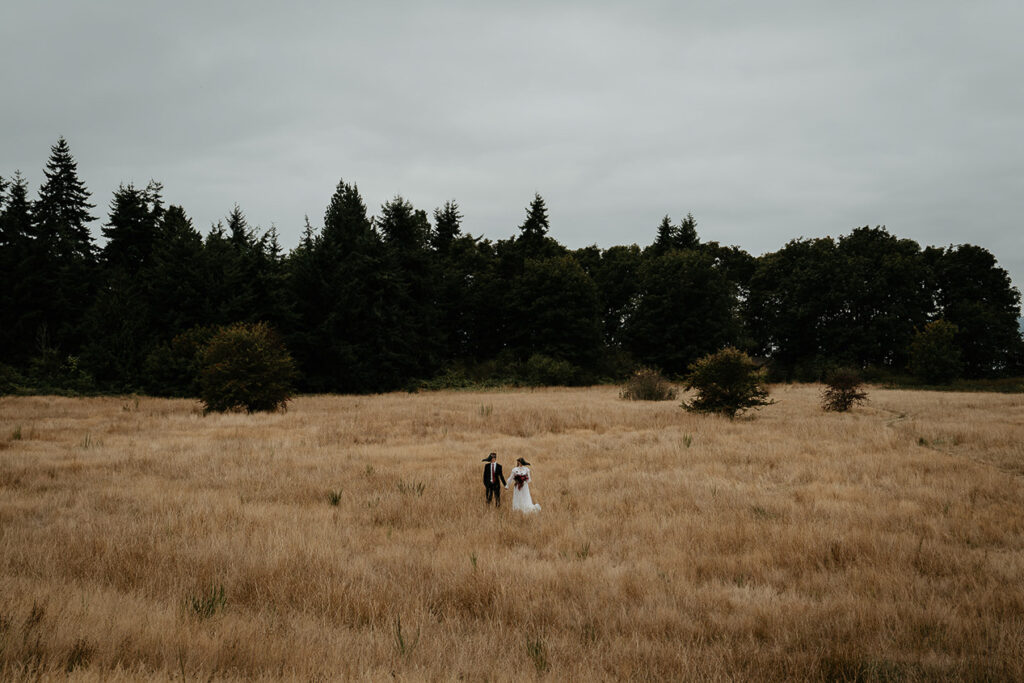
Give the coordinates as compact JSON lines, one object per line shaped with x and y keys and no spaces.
{"x":519,"y":478}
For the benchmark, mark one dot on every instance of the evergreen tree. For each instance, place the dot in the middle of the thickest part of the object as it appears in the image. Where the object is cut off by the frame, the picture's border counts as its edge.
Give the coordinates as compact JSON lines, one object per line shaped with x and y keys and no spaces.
{"x":665,"y":238}
{"x":685,"y":236}
{"x":341,"y":300}
{"x":123,"y":321}
{"x":64,"y":250}
{"x":669,"y":236}
{"x":238,"y":231}
{"x":21,"y":302}
{"x":447,"y":226}
{"x":131,"y":230}
{"x":62,"y":211}
{"x":533,"y":240}
{"x":410,"y":338}
{"x":536,"y":224}
{"x":177,"y":281}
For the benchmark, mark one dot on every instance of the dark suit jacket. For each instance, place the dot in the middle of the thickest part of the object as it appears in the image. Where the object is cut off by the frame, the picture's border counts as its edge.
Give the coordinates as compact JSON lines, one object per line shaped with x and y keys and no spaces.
{"x":498,"y":476}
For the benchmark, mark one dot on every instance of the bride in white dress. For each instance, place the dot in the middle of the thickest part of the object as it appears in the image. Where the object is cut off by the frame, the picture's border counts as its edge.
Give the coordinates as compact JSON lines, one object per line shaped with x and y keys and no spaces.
{"x":519,"y":479}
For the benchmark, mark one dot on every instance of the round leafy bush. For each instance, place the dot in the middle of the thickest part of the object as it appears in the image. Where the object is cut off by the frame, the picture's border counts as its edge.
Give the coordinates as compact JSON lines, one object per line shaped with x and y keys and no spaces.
{"x":245,"y":367}
{"x":843,"y":389}
{"x":727,"y":382}
{"x":647,"y":384}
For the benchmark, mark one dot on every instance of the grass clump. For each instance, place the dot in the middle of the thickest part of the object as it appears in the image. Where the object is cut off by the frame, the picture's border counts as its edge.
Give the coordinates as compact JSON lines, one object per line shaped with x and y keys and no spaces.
{"x":647,"y":384}
{"x":208,"y":603}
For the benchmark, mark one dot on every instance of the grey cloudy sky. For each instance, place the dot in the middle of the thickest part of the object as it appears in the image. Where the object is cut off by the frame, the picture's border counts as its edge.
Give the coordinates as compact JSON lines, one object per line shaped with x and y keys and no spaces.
{"x":768,"y":120}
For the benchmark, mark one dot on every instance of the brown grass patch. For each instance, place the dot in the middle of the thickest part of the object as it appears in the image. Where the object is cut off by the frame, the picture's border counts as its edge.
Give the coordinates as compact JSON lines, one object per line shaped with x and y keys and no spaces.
{"x":139,"y":539}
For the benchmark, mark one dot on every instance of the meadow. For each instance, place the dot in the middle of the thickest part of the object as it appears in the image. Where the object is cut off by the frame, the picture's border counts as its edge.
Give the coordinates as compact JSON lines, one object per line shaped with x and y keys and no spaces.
{"x":347,"y":538}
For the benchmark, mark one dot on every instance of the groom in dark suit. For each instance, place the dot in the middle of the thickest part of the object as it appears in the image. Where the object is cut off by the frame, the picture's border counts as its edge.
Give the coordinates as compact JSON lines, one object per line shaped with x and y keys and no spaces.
{"x":492,"y":477}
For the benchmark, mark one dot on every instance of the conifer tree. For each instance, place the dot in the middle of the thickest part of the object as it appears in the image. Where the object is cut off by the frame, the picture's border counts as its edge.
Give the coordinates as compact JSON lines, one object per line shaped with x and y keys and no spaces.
{"x":64,"y":248}
{"x":21,"y":302}
{"x":533,"y":240}
{"x":62,"y":211}
{"x":131,"y":229}
{"x":665,"y":238}
{"x":685,"y":236}
{"x":447,"y":226}
{"x":536,"y":224}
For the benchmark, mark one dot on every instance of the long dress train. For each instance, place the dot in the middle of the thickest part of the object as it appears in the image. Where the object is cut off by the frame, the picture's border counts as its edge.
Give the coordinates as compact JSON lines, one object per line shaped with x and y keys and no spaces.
{"x":519,"y":480}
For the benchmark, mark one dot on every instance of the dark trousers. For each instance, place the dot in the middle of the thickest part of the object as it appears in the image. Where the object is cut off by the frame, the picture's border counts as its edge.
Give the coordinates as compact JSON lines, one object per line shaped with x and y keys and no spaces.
{"x":494,"y":492}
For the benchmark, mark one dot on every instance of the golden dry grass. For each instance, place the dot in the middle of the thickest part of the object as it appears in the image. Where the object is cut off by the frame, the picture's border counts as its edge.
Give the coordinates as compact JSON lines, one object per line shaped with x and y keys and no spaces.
{"x":887,"y":543}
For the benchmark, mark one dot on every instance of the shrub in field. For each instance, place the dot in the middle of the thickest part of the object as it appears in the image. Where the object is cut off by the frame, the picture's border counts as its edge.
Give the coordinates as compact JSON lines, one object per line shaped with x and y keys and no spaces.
{"x":843,"y":389}
{"x":647,"y":384}
{"x":726,"y":382}
{"x":245,"y":366}
{"x":934,"y":353}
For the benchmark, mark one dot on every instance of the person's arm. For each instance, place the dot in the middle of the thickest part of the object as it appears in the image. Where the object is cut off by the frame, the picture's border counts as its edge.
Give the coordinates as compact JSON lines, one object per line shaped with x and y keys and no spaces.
{"x":501,"y":476}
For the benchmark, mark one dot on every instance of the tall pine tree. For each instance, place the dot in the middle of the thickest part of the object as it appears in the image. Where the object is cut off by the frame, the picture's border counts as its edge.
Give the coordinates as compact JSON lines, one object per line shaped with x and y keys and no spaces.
{"x":64,"y":248}
{"x":21,"y":302}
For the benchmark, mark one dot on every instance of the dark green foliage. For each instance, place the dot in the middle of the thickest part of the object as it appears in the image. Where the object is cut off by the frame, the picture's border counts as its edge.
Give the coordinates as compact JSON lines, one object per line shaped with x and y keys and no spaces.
{"x":617,"y":278}
{"x":536,"y":224}
{"x":684,"y":308}
{"x":51,"y":371}
{"x":544,"y":370}
{"x":21,"y":302}
{"x":669,"y":237}
{"x":844,"y":388}
{"x":647,"y":384}
{"x":727,"y":382}
{"x":132,"y":228}
{"x":177,"y":279}
{"x":173,"y":369}
{"x":245,"y":366}
{"x":976,"y":295}
{"x":61,"y":270}
{"x":855,"y":301}
{"x":883,"y":286}
{"x":554,"y":310}
{"x":447,"y":226}
{"x":343,"y":300}
{"x":935,"y":354}
{"x":377,"y":303}
{"x":12,"y":381}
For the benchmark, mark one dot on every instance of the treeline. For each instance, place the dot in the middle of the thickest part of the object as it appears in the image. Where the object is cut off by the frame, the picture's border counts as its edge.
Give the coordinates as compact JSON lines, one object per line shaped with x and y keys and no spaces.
{"x":370,"y":303}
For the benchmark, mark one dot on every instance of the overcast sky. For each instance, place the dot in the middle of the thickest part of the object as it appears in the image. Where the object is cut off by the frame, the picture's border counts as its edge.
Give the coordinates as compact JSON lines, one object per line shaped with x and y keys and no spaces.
{"x":768,"y":120}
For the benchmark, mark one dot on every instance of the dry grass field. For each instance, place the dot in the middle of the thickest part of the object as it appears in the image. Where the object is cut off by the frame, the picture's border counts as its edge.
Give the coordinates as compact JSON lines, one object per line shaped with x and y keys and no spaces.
{"x":348,"y":539}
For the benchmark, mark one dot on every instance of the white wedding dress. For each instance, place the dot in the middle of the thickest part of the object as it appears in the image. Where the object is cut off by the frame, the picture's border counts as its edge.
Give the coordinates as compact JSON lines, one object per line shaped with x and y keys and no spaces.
{"x":521,"y":499}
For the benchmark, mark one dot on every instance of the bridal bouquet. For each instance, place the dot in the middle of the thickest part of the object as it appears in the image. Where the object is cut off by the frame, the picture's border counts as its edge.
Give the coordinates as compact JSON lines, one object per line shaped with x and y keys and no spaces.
{"x":520,"y":478}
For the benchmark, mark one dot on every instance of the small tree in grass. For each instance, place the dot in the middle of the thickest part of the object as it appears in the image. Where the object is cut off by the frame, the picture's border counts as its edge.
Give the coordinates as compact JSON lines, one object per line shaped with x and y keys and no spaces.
{"x":843,"y":389}
{"x":727,"y":382}
{"x":647,"y":384}
{"x":245,"y":367}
